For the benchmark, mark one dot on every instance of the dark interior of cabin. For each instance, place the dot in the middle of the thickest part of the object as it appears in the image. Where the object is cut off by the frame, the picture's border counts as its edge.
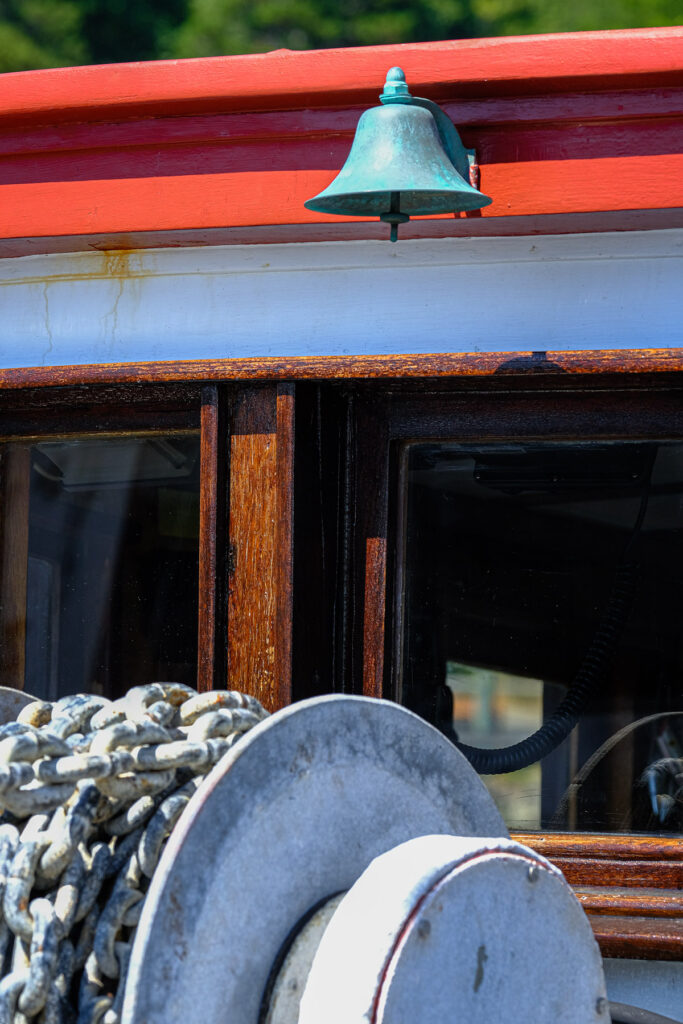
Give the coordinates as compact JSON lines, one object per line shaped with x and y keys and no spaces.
{"x":512,"y":555}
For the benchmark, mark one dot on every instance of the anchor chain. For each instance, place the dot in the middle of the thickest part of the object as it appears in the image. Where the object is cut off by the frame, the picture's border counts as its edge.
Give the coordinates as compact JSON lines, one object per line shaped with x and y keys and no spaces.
{"x":90,"y":790}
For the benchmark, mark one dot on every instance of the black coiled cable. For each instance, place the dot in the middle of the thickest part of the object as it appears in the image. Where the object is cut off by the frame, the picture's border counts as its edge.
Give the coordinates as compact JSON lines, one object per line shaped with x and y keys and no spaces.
{"x":590,"y":676}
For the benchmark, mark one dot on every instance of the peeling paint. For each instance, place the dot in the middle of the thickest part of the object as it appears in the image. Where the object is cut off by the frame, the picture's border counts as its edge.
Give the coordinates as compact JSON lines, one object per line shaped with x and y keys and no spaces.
{"x":123,"y":263}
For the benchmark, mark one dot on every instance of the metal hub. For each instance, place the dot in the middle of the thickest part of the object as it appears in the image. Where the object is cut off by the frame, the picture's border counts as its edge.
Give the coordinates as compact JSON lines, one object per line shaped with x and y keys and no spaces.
{"x":446,"y":928}
{"x":282,"y":998}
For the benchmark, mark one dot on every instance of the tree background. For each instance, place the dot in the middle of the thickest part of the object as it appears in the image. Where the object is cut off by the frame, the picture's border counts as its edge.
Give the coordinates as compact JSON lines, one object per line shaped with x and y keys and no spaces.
{"x":58,"y":33}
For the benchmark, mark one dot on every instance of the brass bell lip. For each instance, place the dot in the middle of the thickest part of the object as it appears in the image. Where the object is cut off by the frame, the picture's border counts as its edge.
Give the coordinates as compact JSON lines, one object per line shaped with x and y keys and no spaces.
{"x":413,"y":203}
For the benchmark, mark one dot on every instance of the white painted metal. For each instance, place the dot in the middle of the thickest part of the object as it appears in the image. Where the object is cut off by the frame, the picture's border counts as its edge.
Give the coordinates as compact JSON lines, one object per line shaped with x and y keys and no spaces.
{"x":282,"y":1003}
{"x":655,"y":985}
{"x":291,"y":816}
{"x":593,"y":291}
{"x":469,"y":931}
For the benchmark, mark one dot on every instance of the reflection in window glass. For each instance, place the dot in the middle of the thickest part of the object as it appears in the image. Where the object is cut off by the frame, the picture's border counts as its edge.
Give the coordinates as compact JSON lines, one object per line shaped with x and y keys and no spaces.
{"x":496,"y":709}
{"x":111,"y":562}
{"x":535,"y":573}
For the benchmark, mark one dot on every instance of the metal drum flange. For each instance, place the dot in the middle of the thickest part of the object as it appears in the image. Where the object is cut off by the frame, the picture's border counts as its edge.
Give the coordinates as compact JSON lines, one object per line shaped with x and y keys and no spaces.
{"x":292,"y":815}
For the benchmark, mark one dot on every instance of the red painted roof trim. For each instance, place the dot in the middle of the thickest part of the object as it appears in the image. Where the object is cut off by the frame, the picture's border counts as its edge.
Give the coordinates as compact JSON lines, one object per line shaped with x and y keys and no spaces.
{"x":288,"y":79}
{"x":569,"y":130}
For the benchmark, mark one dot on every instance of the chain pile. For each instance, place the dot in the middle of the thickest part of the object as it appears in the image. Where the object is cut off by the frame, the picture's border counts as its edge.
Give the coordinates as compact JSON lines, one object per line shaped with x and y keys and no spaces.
{"x":90,"y":791}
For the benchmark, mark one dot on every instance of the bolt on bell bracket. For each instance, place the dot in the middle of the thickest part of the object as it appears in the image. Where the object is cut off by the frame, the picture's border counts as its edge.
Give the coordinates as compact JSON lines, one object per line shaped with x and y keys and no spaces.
{"x":406,"y":160}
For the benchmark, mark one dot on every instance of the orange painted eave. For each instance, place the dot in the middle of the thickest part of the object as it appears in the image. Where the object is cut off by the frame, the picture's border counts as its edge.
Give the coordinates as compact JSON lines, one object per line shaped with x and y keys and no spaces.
{"x":285,"y":79}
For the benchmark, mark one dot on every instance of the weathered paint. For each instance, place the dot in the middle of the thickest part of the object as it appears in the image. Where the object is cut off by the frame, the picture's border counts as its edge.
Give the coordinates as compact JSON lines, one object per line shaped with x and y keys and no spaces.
{"x":285,"y":78}
{"x":563,"y":126}
{"x":616,"y":290}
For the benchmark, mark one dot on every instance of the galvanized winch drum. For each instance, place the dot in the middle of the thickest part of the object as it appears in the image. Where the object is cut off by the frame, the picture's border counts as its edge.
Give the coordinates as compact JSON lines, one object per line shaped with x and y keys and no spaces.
{"x":320,"y":799}
{"x":342,"y":862}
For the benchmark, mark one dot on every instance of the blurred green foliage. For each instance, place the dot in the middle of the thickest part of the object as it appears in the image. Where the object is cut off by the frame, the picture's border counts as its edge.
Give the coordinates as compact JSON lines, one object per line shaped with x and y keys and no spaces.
{"x":54,"y":33}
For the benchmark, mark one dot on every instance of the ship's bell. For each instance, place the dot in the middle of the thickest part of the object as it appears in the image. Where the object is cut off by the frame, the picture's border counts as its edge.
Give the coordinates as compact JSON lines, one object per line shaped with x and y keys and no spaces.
{"x":406,"y":160}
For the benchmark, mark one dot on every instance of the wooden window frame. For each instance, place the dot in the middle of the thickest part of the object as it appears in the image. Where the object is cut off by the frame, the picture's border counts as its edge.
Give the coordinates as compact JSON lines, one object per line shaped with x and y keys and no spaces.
{"x":629,"y":886}
{"x":246,"y":450}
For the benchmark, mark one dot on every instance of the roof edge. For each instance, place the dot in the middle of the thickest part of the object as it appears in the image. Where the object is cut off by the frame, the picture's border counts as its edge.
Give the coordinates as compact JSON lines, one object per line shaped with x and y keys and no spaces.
{"x":285,"y":79}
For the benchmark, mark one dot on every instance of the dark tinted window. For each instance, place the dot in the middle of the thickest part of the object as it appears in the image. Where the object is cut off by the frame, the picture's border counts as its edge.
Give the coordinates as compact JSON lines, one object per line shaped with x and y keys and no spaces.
{"x":111,"y":562}
{"x":535,"y":571}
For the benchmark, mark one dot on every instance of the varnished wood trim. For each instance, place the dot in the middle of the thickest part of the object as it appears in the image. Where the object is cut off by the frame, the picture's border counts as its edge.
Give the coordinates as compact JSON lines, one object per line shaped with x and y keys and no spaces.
{"x":210,"y":456}
{"x":368,"y":520}
{"x":437,"y":365}
{"x":609,"y":847}
{"x":638,"y":938}
{"x":259,"y":587}
{"x":373,"y":614}
{"x":600,"y":871}
{"x":251,"y":596}
{"x":638,"y":902}
{"x":284,"y":543}
{"x":631,"y":887}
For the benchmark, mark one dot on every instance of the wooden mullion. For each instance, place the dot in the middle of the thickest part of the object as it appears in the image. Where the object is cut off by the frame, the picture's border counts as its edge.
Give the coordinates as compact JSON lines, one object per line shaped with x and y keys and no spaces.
{"x":260,"y":550}
{"x":284,"y":542}
{"x":369,"y":512}
{"x":212,"y":531}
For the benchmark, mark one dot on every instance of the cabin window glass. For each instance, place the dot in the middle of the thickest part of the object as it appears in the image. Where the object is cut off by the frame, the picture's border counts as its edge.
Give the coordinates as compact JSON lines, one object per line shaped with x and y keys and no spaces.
{"x":533,"y":569}
{"x":100,"y":562}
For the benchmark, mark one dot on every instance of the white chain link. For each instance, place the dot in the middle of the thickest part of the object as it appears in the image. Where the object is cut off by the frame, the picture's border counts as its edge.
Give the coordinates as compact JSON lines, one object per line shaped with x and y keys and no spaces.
{"x":90,"y":790}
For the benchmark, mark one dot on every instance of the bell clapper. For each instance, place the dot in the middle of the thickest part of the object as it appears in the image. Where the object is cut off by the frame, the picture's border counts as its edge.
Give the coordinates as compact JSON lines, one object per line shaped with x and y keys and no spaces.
{"x":394,"y":216}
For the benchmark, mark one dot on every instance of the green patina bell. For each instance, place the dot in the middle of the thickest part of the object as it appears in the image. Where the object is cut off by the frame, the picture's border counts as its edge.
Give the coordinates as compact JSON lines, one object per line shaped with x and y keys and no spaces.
{"x":406,"y":161}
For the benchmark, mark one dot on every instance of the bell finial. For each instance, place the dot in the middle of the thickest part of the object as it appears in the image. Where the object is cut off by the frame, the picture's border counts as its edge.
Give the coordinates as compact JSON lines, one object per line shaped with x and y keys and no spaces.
{"x":395,"y":87}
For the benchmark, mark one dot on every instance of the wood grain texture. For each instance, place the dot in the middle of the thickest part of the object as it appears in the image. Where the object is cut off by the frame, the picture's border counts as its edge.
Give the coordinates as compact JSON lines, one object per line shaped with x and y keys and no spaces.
{"x":602,"y":871}
{"x":367,"y":515}
{"x":211,"y":456}
{"x":640,"y":902}
{"x":638,"y":938}
{"x":284,"y":541}
{"x":634,"y":922}
{"x":529,"y":365}
{"x":259,"y":588}
{"x":374,"y":601}
{"x":15,"y":475}
{"x":608,"y":847}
